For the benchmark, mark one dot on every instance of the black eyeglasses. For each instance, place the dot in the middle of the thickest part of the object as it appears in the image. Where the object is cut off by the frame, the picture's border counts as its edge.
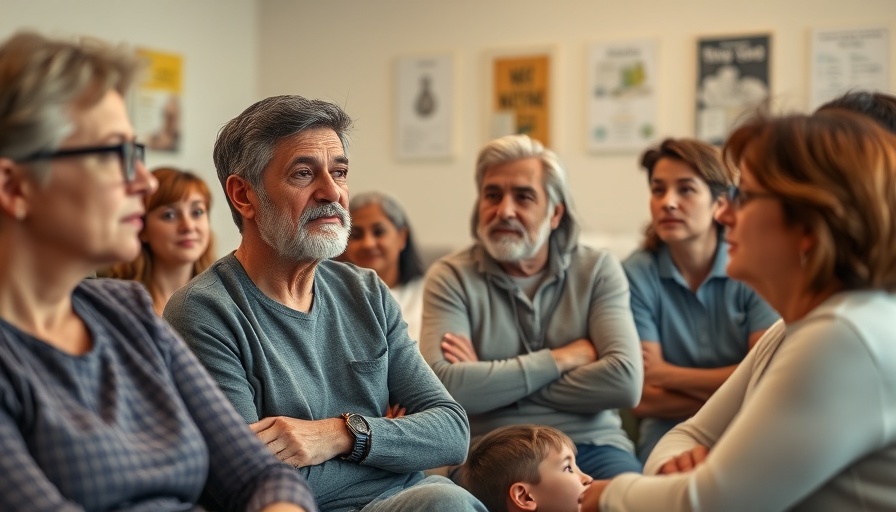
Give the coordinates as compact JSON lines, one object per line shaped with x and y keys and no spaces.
{"x":737,"y":198}
{"x":129,"y":152}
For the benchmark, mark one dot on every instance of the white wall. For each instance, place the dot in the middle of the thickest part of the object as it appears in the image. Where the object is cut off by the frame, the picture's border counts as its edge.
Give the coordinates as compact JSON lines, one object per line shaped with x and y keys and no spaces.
{"x":344,"y":50}
{"x":237,"y":51}
{"x":218,"y":41}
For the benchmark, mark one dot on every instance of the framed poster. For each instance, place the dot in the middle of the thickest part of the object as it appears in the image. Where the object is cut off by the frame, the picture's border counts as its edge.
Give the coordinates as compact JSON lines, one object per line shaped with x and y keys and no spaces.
{"x":621,"y":89}
{"x":732,"y":80}
{"x":520,"y":101}
{"x":157,"y":101}
{"x":424,"y":107}
{"x":843,"y":60}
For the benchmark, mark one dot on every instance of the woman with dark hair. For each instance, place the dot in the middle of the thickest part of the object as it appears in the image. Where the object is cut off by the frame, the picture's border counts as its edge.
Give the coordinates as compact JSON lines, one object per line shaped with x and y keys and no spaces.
{"x":381,"y":240}
{"x":695,"y":323}
{"x":176,"y":237}
{"x":102,"y":405}
{"x":806,"y":422}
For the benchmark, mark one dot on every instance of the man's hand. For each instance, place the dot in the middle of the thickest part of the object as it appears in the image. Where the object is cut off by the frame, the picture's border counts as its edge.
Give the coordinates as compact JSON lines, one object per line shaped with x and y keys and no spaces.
{"x":686,"y":461}
{"x":395,"y":411}
{"x":301,"y":442}
{"x":654,"y":365}
{"x":458,"y":349}
{"x":574,"y":354}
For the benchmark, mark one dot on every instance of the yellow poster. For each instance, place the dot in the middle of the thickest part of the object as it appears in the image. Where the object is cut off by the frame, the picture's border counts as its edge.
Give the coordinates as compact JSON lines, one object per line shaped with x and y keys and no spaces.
{"x":521,"y":102}
{"x":157,"y":115}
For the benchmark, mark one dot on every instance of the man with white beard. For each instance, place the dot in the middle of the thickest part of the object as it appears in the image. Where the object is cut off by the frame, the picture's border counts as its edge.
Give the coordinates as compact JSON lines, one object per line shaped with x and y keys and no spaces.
{"x":312,"y":351}
{"x":526,"y":326}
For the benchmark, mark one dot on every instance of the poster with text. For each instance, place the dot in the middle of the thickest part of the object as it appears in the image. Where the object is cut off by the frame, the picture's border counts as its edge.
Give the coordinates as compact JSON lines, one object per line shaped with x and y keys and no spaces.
{"x":157,"y":101}
{"x":845,"y":60}
{"x":732,"y":81}
{"x":424,"y":127}
{"x":621,"y":88}
{"x":521,"y":98}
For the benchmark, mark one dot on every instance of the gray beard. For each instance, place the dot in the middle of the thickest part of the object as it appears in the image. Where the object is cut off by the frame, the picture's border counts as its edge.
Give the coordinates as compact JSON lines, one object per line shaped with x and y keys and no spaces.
{"x":297,"y":243}
{"x":509,"y":249}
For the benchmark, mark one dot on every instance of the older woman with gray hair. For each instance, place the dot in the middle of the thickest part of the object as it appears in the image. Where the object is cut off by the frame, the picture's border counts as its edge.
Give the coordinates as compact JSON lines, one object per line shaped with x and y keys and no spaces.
{"x":102,"y":406}
{"x":381,"y":240}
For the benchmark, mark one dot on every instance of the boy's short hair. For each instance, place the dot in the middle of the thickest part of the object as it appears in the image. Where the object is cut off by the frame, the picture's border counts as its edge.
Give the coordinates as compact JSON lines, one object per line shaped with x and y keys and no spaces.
{"x":506,"y":456}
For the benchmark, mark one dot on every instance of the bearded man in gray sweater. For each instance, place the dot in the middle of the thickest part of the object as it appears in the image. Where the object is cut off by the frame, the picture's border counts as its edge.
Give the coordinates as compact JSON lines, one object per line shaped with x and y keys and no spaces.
{"x":310,"y":351}
{"x":526,"y":325}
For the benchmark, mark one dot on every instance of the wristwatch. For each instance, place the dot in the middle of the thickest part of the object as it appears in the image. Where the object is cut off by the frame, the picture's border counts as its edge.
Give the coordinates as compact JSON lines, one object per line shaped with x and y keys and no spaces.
{"x":358,"y":426}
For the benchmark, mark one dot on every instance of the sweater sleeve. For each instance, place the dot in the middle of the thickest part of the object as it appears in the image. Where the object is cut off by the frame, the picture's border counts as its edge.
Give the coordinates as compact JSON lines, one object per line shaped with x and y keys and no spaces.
{"x":798,"y":408}
{"x":217,"y":351}
{"x":243,"y":475}
{"x":478,"y":386}
{"x":435,"y":431}
{"x":615,"y":379}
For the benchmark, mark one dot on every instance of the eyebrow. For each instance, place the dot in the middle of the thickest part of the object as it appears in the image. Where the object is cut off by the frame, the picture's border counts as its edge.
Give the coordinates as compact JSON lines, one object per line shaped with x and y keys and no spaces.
{"x":680,"y":180}
{"x":310,"y":160}
{"x":519,"y":188}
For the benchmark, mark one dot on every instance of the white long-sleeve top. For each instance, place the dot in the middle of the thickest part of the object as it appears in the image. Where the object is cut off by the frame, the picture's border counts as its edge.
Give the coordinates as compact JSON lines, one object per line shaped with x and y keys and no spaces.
{"x":807,"y":422}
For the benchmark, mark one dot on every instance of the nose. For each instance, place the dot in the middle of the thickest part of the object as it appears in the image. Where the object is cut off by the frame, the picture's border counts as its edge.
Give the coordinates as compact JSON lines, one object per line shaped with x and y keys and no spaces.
{"x":506,"y":208}
{"x":585,"y":479}
{"x":187,"y":222}
{"x":368,"y":241}
{"x":144,"y":183}
{"x":327,"y":190}
{"x":670,"y":200}
{"x":725,"y":213}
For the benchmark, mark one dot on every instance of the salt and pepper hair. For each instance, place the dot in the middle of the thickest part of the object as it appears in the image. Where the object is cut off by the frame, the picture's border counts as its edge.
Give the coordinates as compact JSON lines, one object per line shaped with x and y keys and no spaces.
{"x":518,"y":147}
{"x":245,"y":145}
{"x":410,"y":266}
{"x":41,"y":79}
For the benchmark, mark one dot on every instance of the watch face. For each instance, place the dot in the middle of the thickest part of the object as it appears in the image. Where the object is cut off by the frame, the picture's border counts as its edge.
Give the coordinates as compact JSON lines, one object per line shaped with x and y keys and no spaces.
{"x":358,"y":424}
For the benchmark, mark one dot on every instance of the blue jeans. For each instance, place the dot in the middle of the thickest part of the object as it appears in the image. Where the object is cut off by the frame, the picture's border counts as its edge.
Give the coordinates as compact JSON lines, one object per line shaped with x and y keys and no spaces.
{"x":603,"y":461}
{"x":432,"y":493}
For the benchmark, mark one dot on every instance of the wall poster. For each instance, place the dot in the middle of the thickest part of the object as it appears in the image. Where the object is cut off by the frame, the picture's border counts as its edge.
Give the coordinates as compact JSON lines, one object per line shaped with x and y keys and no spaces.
{"x":157,"y":101}
{"x":424,"y":107}
{"x":521,"y":97}
{"x":732,"y":80}
{"x":621,"y":89}
{"x":844,"y":60}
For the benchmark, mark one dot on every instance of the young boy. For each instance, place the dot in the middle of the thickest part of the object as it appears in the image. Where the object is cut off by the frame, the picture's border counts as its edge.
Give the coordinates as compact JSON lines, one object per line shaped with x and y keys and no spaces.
{"x":525,"y":467}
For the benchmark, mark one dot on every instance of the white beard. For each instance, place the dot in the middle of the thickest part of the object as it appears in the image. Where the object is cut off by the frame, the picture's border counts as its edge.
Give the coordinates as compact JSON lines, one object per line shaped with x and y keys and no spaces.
{"x":512,"y":248}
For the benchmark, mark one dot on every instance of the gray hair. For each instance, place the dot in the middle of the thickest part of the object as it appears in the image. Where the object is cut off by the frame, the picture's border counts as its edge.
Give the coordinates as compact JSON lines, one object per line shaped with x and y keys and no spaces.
{"x":517,"y":147}
{"x":40,"y":80}
{"x":246,"y":144}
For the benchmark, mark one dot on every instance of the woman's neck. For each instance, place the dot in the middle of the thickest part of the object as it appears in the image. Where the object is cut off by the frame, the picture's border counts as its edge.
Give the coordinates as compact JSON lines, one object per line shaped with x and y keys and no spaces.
{"x":165,"y":280}
{"x":694,"y":258}
{"x":36,"y":285}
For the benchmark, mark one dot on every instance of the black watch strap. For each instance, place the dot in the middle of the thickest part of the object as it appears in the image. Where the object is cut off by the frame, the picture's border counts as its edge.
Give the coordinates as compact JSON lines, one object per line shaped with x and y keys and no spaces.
{"x":359,"y":427}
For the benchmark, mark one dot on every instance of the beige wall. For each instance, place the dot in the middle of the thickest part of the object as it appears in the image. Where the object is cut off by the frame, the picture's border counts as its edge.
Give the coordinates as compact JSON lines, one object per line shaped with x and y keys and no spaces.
{"x":218,"y":41}
{"x":344,"y":50}
{"x":237,"y":51}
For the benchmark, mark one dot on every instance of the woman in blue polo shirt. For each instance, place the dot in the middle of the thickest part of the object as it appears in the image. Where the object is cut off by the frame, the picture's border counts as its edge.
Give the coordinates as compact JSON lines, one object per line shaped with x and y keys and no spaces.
{"x":695,"y":323}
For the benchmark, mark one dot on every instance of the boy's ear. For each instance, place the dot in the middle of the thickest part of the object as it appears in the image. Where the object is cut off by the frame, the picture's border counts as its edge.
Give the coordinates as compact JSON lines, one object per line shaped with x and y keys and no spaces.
{"x":519,"y":497}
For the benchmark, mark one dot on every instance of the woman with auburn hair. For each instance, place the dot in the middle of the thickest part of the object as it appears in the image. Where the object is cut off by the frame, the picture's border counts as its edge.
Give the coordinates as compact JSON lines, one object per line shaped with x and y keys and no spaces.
{"x":808,"y":419}
{"x":176,"y":238}
{"x":102,"y":405}
{"x":695,"y":323}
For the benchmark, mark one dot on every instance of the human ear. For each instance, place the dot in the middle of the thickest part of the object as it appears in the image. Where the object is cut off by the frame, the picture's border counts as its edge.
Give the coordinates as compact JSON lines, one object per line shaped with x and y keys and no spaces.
{"x":559,"y":210}
{"x":15,"y":189}
{"x":519,"y":498}
{"x":403,"y":237}
{"x":240,"y":195}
